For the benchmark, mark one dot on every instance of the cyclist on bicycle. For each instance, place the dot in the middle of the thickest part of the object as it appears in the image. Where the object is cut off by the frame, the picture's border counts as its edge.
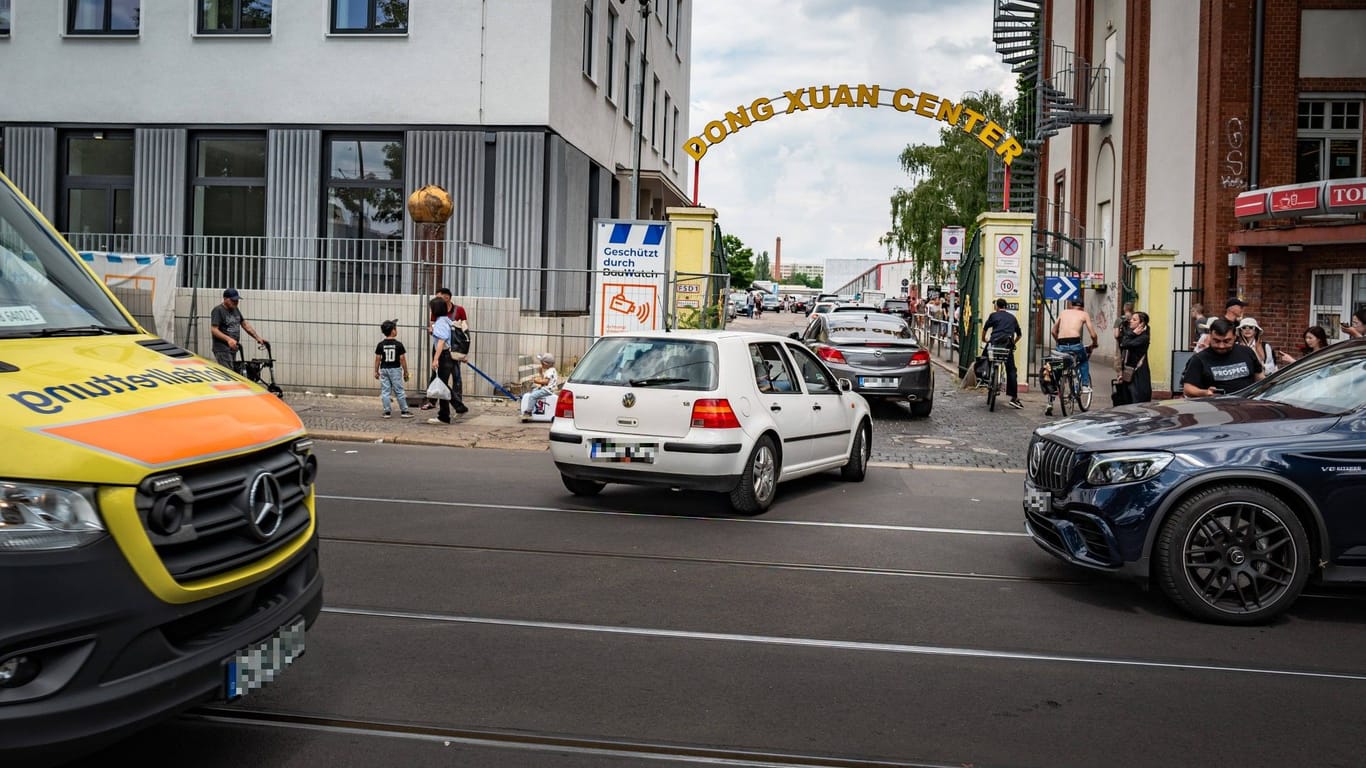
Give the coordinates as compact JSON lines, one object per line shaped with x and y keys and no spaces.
{"x":1003,"y":330}
{"x":1067,"y":338}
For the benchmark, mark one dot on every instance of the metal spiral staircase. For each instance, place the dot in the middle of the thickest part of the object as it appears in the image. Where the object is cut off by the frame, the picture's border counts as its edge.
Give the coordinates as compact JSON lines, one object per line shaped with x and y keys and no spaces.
{"x":1069,"y":92}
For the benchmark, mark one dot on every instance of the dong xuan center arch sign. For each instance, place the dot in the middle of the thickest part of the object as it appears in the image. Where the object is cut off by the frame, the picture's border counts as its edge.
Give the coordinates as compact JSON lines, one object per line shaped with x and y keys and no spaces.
{"x":923,"y":103}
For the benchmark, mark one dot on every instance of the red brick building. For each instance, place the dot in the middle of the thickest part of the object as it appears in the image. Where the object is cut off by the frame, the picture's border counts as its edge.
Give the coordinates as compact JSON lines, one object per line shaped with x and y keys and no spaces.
{"x":1160,"y":116}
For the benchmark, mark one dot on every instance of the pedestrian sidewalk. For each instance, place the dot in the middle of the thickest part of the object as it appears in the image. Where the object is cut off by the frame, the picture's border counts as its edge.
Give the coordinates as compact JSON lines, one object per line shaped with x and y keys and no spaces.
{"x":490,"y":423}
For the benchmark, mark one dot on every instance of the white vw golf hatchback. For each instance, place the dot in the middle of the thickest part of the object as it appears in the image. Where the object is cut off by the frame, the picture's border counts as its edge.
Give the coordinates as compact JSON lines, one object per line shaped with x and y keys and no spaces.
{"x":706,"y":410}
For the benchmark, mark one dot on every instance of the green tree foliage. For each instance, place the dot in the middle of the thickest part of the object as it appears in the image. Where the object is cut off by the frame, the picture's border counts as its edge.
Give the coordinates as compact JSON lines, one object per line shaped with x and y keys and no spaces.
{"x":763,"y":268}
{"x":799,"y":278}
{"x":740,"y":262}
{"x":948,"y":187}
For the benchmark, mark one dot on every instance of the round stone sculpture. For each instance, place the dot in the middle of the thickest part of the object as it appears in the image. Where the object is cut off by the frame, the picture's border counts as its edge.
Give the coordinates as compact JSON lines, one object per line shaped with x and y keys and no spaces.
{"x":430,"y":205}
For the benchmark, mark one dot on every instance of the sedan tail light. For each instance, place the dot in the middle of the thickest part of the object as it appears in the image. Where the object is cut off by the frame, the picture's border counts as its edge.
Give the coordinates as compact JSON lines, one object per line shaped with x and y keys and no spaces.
{"x":564,"y":405}
{"x":714,"y":414}
{"x":920,"y":358}
{"x":830,"y":355}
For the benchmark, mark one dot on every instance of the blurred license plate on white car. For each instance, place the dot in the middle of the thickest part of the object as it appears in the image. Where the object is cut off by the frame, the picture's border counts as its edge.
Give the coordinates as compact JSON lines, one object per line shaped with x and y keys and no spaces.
{"x":625,"y":453}
{"x":877,"y":381}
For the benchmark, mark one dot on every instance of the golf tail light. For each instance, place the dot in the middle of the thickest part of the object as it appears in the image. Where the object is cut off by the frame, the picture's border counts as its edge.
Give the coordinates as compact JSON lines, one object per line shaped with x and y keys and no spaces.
{"x":564,"y":405}
{"x":920,"y":358}
{"x":830,"y":355}
{"x":714,"y":414}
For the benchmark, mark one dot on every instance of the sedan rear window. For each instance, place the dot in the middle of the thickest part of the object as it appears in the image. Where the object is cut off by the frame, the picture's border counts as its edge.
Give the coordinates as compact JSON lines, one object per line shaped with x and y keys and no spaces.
{"x":871,"y":330}
{"x":626,"y":361}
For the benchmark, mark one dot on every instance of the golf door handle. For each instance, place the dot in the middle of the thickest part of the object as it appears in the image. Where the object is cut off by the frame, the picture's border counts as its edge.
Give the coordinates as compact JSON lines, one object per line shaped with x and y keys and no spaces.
{"x":775,"y":408}
{"x":816,"y":407}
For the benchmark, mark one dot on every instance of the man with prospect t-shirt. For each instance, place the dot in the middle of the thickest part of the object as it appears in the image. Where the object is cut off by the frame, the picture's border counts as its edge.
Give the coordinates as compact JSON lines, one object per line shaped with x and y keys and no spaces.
{"x":1223,"y":366}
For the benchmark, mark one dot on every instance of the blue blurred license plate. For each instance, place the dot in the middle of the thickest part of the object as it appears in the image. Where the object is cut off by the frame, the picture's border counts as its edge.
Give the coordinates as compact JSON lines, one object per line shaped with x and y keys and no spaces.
{"x":874,"y":382}
{"x":625,"y":453}
{"x":258,"y":665}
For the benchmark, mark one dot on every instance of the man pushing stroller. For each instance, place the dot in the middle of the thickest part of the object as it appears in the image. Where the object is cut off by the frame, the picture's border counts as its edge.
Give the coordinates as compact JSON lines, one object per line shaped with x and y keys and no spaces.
{"x":226,"y":325}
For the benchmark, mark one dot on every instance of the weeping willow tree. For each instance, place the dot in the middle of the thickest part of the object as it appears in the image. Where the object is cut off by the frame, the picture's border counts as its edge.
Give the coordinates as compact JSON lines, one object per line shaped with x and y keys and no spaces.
{"x":948,"y":187}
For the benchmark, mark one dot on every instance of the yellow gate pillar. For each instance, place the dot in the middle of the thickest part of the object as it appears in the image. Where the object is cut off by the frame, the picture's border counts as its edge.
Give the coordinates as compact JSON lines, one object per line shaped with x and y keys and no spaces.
{"x":690,"y":234}
{"x":1005,"y":245}
{"x":1153,"y":283}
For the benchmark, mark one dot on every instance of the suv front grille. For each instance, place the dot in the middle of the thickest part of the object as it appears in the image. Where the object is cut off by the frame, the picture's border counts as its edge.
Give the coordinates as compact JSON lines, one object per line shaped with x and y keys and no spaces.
{"x":1050,"y":465}
{"x":219,"y":531}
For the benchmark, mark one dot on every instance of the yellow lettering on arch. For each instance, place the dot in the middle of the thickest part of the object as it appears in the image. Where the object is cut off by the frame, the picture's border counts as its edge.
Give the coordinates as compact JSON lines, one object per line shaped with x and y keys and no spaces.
{"x":990,"y":133}
{"x":949,"y":112}
{"x":925,"y":105}
{"x":738,"y":119}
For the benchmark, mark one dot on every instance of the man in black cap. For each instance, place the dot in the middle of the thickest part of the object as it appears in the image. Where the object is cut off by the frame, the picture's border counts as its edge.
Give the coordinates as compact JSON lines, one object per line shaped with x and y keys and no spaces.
{"x":1233,"y":313}
{"x":226,"y":325}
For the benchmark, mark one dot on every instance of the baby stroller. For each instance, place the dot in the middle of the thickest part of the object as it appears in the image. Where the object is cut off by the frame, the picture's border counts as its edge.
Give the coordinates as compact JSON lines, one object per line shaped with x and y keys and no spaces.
{"x":252,"y":369}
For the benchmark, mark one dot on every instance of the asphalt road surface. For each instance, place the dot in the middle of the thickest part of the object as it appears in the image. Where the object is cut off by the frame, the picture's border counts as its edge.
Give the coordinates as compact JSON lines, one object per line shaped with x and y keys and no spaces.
{"x":478,"y":615}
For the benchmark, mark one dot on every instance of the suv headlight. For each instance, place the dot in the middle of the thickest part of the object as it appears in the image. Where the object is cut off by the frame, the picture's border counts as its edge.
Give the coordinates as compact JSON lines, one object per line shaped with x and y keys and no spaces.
{"x":1126,"y":467}
{"x":42,"y":517}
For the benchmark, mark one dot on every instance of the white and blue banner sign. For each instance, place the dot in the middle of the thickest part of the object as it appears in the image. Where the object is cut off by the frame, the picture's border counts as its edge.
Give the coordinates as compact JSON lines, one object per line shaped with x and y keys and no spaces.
{"x":630,"y":275}
{"x":144,"y":283}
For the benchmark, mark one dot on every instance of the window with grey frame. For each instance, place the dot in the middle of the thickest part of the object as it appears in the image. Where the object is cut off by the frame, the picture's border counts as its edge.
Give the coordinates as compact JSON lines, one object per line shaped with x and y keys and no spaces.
{"x":363,"y":214}
{"x":228,"y":209}
{"x":369,"y":17}
{"x":1327,"y":140}
{"x":234,"y":17}
{"x":96,"y":201}
{"x":626,"y":85}
{"x":654,"y":114}
{"x":103,"y":17}
{"x":611,"y":52}
{"x":588,"y":37}
{"x":4,"y":18}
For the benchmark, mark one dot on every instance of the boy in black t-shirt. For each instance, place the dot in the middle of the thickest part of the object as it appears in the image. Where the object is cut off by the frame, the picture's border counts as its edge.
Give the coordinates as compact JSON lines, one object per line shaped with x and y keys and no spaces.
{"x":1221,"y":367}
{"x":391,"y":369}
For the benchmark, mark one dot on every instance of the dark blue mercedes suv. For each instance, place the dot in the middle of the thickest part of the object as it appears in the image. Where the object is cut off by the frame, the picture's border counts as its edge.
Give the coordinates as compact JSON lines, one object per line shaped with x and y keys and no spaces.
{"x":1229,"y":504}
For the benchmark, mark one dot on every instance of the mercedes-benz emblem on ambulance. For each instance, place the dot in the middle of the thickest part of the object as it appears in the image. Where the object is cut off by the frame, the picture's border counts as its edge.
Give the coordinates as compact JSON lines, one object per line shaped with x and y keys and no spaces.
{"x":264,"y":512}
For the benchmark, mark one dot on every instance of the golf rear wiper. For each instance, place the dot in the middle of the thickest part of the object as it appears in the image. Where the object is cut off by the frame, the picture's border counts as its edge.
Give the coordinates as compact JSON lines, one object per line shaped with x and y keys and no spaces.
{"x":82,"y":330}
{"x":656,"y":380}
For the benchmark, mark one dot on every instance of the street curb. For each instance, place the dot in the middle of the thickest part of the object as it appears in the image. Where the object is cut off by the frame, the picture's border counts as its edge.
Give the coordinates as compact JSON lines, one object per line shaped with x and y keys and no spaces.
{"x":343,"y":436}
{"x":942,"y":467}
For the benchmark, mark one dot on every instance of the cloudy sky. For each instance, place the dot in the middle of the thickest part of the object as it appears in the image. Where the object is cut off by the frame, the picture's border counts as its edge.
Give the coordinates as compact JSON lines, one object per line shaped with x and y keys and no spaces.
{"x":822,"y":180}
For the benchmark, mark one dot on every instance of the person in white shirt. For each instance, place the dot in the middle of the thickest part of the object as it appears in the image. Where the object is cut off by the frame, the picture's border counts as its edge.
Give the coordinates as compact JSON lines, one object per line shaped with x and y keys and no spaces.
{"x":547,"y":383}
{"x":1250,"y":335}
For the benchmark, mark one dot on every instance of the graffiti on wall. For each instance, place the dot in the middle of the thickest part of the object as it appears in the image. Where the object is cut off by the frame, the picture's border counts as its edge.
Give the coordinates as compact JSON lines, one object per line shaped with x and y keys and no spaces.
{"x":1232,"y":172}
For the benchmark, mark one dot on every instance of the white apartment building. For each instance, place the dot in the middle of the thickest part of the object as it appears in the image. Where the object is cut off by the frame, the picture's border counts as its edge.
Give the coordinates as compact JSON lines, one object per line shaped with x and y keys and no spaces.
{"x":306,"y":120}
{"x":786,"y":271}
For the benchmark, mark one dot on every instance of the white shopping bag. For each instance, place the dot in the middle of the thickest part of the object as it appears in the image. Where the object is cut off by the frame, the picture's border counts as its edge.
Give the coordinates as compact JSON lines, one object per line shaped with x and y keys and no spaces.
{"x":438,"y":390}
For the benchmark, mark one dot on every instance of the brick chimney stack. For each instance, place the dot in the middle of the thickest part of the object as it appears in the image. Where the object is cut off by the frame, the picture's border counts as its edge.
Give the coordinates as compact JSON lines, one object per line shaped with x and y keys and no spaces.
{"x":778,"y":260}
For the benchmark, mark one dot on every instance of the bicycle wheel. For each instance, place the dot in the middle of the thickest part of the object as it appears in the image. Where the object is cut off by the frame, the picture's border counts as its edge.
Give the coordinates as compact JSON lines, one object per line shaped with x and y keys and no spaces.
{"x":992,"y":386}
{"x":1083,"y":397}
{"x":1064,"y":392}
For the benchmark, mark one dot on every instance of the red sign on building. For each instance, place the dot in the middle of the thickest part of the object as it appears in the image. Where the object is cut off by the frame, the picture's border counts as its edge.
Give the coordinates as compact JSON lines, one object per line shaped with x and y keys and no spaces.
{"x":1296,"y":200}
{"x":1346,"y":196}
{"x":1251,"y":205}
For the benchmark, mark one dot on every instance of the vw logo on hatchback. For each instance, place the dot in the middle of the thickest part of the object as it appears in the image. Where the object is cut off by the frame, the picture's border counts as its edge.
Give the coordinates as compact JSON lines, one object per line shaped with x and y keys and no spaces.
{"x":264,"y":512}
{"x":628,"y":399}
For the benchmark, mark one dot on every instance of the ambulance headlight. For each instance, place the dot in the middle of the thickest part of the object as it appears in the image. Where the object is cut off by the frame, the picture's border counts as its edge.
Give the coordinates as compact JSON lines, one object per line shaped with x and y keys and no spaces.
{"x":35,"y":517}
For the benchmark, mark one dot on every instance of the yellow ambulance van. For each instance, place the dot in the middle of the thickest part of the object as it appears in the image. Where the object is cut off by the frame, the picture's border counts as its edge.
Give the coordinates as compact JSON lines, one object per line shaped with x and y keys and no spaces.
{"x":158,"y":542}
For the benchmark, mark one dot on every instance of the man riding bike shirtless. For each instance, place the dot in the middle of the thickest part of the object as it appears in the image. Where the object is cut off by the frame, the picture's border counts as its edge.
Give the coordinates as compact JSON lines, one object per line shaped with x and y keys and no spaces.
{"x":1067,"y":337}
